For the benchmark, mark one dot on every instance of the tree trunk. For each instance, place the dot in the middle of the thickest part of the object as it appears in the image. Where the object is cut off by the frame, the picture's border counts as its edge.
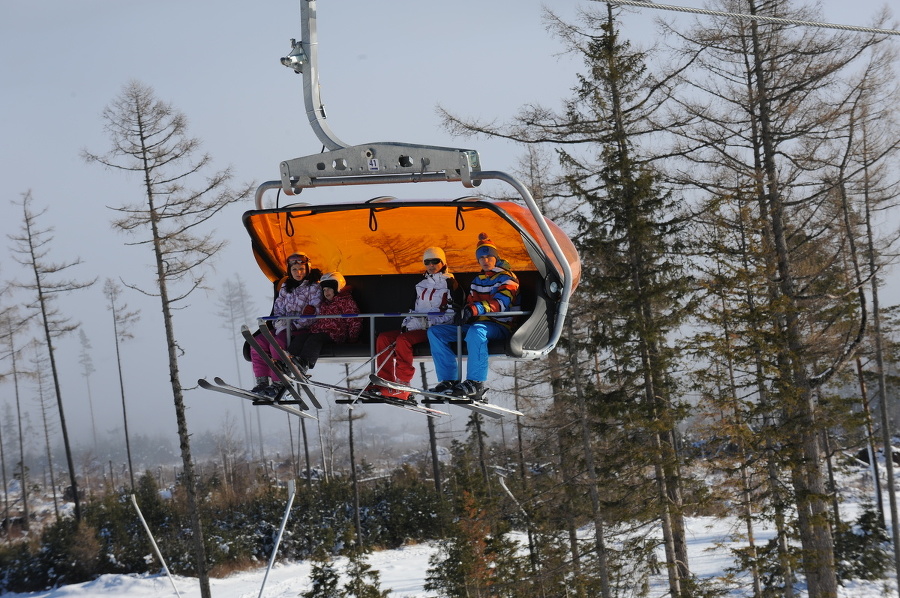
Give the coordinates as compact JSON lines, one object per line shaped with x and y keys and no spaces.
{"x":523,"y":476}
{"x":432,"y":442}
{"x":870,"y":443}
{"x":593,"y":481}
{"x":59,"y":403}
{"x":5,"y":485}
{"x":23,"y":481}
{"x":306,"y":451}
{"x":184,"y":437}
{"x":886,"y":430}
{"x":356,"y":521}
{"x":815,"y":531}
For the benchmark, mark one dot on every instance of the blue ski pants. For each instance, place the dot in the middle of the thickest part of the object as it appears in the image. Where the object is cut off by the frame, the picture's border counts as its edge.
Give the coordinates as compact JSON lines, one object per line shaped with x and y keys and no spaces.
{"x":476,"y":338}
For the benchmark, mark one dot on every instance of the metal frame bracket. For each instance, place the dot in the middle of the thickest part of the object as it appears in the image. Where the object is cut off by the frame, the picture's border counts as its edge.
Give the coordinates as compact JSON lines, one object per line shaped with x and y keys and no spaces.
{"x":386,"y":162}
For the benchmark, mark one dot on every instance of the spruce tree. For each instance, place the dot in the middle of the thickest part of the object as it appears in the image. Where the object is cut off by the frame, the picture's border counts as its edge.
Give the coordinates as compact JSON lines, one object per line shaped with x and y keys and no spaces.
{"x":362,"y":580}
{"x":461,"y":567}
{"x":323,"y":577}
{"x":630,"y":238}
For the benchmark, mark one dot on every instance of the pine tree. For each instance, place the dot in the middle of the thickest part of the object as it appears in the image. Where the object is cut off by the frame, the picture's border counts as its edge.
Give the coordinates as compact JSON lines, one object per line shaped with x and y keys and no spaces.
{"x":634,"y":291}
{"x":871,"y":153}
{"x":771,"y":106}
{"x":630,"y":237}
{"x":739,"y":436}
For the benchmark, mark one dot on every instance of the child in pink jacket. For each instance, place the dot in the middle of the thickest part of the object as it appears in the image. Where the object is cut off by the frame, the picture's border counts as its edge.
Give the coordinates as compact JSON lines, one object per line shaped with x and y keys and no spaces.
{"x":336,"y":300}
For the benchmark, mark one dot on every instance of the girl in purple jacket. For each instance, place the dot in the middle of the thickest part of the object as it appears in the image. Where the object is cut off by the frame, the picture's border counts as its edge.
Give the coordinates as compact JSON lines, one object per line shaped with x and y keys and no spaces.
{"x":300,"y":295}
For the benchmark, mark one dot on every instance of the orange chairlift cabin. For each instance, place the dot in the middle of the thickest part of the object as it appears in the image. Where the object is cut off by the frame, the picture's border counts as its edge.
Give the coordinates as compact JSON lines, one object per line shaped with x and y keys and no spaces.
{"x":377,"y":243}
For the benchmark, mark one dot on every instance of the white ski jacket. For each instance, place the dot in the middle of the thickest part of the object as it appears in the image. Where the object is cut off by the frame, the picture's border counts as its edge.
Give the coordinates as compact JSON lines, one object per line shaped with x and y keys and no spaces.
{"x":434,"y":293}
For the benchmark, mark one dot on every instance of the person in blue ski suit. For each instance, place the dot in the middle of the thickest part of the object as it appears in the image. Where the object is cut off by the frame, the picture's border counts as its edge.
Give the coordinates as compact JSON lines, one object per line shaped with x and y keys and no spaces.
{"x":494,"y":289}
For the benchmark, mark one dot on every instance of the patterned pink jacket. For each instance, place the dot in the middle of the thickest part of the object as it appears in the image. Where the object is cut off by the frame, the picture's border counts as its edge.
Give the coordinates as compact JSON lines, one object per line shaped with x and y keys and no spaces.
{"x":341,"y":330}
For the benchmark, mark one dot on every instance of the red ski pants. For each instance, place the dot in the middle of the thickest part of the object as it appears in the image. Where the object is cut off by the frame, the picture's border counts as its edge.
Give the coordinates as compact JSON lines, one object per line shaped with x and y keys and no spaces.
{"x":397,"y":364}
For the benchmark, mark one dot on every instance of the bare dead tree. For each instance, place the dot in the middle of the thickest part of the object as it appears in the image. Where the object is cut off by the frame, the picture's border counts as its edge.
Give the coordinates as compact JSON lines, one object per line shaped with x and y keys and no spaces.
{"x":45,"y":405}
{"x":122,"y":322}
{"x":87,"y":368}
{"x":10,"y":325}
{"x":31,"y":248}
{"x":236,"y":308}
{"x":149,"y":137}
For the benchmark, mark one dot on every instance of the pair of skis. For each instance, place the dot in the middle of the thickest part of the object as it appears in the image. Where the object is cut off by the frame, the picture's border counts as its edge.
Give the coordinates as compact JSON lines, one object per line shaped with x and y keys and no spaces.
{"x":295,"y":382}
{"x":432,"y":398}
{"x":360,"y":396}
{"x":223,"y":387}
{"x":290,"y":399}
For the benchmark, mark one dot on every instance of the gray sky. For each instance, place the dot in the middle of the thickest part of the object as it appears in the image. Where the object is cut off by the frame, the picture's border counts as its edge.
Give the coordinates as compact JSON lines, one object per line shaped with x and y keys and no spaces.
{"x":383,"y":68}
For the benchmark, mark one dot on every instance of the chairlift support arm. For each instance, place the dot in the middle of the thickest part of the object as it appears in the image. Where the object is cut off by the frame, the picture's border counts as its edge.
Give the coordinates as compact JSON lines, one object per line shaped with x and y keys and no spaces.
{"x":304,"y":59}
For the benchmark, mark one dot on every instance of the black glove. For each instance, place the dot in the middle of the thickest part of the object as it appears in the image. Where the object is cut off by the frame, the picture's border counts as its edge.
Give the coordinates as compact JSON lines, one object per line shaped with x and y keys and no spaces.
{"x":315,"y":275}
{"x":462,"y":316}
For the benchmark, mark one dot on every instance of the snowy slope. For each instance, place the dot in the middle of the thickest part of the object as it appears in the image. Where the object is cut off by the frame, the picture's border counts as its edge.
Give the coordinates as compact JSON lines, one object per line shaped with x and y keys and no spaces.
{"x":402,"y":571}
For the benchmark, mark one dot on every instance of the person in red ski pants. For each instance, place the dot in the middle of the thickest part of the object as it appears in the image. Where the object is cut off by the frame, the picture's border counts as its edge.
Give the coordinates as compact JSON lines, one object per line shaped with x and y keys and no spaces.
{"x":435,"y":295}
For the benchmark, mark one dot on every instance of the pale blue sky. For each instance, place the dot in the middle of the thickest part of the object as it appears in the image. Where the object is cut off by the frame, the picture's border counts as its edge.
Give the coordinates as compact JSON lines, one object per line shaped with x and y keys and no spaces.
{"x":384,"y":66}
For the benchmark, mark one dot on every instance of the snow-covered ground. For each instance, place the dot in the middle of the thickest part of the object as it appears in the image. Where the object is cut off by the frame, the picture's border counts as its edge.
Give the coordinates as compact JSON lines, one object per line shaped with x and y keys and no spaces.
{"x":402,"y":571}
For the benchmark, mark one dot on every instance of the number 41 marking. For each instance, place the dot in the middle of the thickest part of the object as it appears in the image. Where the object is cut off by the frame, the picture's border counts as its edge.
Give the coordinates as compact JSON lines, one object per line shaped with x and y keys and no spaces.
{"x":373,"y":164}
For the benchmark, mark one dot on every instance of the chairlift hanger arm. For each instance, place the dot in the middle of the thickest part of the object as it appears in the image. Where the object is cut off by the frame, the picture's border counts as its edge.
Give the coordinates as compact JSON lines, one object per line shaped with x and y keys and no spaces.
{"x":379,"y":160}
{"x":304,"y":59}
{"x":363,"y":161}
